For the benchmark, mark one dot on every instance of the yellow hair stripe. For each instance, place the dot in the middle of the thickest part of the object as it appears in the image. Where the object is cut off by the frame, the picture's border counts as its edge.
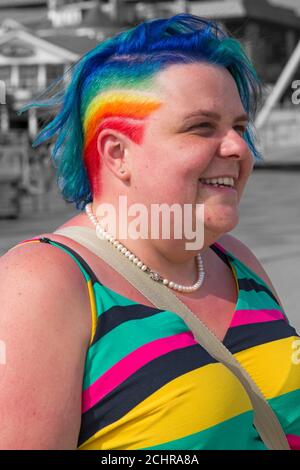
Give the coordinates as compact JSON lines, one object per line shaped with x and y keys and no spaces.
{"x":124,"y":104}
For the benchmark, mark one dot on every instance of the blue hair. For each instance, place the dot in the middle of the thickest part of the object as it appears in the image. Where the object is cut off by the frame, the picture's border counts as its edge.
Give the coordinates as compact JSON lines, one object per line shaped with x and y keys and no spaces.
{"x":126,"y":59}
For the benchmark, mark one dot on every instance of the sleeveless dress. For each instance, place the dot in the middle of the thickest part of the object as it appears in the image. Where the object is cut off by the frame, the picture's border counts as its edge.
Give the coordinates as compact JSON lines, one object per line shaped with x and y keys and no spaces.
{"x":148,"y":385}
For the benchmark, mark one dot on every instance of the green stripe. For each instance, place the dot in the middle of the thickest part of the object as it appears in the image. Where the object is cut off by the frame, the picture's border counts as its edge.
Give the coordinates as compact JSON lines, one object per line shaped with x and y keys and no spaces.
{"x":238,"y":433}
{"x":107,"y":298}
{"x":245,"y":271}
{"x":126,"y":338}
{"x":233,"y":434}
{"x":287,"y":409}
{"x":252,"y":300}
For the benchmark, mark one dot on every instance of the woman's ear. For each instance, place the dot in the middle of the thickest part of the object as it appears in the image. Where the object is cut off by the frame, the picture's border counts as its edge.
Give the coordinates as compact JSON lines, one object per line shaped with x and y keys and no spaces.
{"x":111,"y":146}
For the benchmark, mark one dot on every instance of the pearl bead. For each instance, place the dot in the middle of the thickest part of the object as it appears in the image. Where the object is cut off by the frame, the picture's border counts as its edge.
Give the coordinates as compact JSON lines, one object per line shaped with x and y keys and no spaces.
{"x":103,"y":234}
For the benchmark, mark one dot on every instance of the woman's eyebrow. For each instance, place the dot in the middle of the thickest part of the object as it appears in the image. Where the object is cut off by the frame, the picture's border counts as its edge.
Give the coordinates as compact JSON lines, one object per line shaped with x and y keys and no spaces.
{"x":213,"y":115}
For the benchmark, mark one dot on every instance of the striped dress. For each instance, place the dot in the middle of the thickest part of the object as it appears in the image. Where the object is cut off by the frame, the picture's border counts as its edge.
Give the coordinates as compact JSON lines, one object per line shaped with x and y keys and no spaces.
{"x":149,"y":385}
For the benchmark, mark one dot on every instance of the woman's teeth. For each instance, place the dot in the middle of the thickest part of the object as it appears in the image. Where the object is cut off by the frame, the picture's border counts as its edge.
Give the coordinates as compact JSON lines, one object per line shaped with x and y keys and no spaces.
{"x":226,"y":181}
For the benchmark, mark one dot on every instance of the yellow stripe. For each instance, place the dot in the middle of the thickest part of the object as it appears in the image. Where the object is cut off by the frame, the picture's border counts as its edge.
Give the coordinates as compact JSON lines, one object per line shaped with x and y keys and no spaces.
{"x":122,"y":104}
{"x":235,"y":276}
{"x":188,"y":404}
{"x":93,"y":309}
{"x":202,"y":398}
{"x":141,"y":102}
{"x":272,"y":367}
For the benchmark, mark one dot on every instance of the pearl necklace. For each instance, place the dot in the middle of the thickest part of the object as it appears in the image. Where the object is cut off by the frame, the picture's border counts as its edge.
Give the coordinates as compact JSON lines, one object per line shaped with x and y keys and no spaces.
{"x":103,"y":234}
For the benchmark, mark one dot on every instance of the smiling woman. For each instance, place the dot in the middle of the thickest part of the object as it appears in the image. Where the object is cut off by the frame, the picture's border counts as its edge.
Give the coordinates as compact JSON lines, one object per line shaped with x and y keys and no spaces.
{"x":160,"y":114}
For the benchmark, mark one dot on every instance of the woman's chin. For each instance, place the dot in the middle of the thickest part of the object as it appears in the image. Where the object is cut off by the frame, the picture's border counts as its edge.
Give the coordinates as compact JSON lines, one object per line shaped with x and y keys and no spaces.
{"x":222,"y":222}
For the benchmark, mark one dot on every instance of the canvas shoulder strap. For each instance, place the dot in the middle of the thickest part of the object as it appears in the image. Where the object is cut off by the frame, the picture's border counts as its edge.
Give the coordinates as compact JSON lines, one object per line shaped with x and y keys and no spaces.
{"x":265,"y":420}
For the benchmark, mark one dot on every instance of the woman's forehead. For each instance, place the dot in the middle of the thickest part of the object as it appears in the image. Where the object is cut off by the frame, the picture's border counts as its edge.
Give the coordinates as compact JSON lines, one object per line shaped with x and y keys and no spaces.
{"x":184,"y":89}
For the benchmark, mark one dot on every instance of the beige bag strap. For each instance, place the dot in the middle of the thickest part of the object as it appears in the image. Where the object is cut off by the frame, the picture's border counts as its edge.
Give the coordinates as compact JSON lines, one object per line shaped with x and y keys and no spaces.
{"x":265,"y":420}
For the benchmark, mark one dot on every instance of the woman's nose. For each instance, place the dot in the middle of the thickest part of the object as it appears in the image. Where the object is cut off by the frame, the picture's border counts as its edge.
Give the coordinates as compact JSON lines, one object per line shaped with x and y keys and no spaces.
{"x":233,"y":145}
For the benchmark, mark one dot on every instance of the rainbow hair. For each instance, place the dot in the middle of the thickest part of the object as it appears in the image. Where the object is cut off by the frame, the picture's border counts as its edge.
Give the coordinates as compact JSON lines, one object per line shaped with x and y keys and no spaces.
{"x":112,"y":86}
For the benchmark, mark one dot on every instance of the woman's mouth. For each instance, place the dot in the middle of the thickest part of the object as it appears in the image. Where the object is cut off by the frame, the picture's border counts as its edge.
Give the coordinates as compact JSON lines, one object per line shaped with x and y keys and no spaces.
{"x":223,"y":184}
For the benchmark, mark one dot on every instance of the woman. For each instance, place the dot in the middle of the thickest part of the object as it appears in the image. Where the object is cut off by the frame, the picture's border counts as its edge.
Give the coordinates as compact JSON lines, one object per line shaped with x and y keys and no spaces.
{"x":162,"y":113}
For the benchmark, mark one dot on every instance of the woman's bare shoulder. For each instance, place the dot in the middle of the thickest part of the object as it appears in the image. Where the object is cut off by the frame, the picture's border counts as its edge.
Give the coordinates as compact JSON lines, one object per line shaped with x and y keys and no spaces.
{"x":246,"y":256}
{"x":41,"y":326}
{"x":51,"y":273}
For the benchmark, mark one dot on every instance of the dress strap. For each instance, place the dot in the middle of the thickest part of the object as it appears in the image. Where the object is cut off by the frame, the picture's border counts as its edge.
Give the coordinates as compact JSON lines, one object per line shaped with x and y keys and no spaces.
{"x":88,"y":273}
{"x":222,"y":253}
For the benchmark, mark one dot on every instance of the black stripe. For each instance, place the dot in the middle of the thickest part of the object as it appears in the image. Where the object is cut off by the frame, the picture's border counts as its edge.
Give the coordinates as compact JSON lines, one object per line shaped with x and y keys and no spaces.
{"x":160,"y":371}
{"x":119,"y":314}
{"x":224,"y":257}
{"x":140,"y":385}
{"x":91,"y":273}
{"x":247,"y":285}
{"x":243,"y":337}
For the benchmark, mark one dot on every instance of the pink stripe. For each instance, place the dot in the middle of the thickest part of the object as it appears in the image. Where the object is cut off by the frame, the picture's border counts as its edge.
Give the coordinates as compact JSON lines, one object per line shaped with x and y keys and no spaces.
{"x":294,"y":441}
{"x":245,"y":317}
{"x":220,"y":248}
{"x":131,"y":363}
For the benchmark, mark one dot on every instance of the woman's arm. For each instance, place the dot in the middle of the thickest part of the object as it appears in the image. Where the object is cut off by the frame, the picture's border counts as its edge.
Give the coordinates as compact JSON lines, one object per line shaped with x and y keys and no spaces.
{"x":42,"y":304}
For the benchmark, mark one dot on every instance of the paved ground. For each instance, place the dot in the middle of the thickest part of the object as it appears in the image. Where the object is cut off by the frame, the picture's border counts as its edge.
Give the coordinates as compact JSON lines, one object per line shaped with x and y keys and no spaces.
{"x":269,"y":225}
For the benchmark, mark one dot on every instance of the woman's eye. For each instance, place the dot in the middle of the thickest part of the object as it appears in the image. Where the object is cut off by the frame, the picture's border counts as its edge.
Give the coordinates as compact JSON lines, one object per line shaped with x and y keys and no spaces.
{"x":240,"y":129}
{"x":203,"y":125}
{"x":208,"y":126}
